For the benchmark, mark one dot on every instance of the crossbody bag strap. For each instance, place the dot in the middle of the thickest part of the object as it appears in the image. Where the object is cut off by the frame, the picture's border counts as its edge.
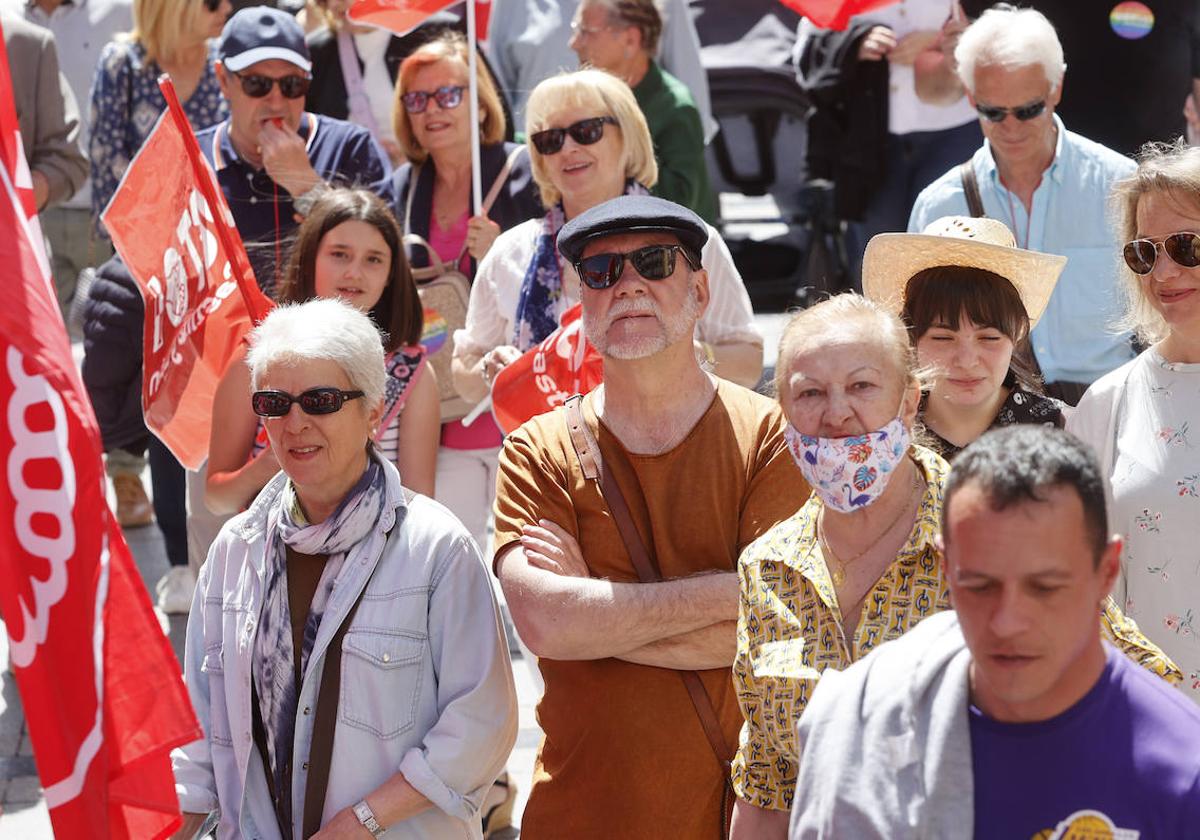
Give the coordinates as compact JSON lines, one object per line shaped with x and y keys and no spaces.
{"x":494,"y":192}
{"x":970,"y":184}
{"x":588,"y":452}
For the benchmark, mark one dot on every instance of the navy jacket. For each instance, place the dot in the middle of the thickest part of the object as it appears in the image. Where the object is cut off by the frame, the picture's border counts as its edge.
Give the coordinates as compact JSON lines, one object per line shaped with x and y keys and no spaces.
{"x":112,"y":361}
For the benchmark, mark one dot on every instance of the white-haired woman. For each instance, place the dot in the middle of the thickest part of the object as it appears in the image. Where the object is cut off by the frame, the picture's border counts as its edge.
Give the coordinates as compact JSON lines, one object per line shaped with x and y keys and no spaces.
{"x":857,"y":565}
{"x":1144,"y":418}
{"x":340,"y":620}
{"x":588,"y":143}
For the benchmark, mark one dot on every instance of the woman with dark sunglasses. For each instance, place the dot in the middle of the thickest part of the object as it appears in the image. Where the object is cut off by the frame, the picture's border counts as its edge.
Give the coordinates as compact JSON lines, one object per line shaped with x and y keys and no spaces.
{"x":342,"y":619}
{"x":1144,"y":418}
{"x":348,"y":247}
{"x":169,"y":36}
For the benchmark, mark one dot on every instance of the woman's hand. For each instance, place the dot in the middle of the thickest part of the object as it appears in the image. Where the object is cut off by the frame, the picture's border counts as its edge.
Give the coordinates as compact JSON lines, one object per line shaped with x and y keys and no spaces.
{"x":496,"y":359}
{"x":549,"y":547}
{"x":481,"y":233}
{"x":876,"y":44}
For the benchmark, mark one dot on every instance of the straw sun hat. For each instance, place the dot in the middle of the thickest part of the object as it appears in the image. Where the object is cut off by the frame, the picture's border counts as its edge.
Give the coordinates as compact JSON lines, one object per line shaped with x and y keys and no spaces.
{"x":891,"y":259}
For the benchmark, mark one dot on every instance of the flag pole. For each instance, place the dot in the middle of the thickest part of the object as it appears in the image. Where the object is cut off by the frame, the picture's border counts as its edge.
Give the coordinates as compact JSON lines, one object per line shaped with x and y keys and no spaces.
{"x":473,"y":82}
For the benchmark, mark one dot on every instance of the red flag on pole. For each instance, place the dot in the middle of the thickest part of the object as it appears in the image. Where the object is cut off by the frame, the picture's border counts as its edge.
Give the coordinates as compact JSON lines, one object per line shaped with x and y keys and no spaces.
{"x":564,"y":363}
{"x":172,"y":227}
{"x":403,"y":16}
{"x":834,"y":14}
{"x":101,"y":689}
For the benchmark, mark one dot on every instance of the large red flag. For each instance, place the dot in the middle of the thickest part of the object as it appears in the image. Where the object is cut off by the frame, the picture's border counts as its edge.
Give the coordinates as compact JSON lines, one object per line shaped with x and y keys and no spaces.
{"x":171,"y":225}
{"x":102,"y":693}
{"x":834,"y":14}
{"x":403,"y":16}
{"x":564,"y":363}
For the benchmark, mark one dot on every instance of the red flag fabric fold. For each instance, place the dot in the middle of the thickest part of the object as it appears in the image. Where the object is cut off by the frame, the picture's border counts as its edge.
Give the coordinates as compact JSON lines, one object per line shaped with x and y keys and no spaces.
{"x":403,"y":16}
{"x":834,"y":14}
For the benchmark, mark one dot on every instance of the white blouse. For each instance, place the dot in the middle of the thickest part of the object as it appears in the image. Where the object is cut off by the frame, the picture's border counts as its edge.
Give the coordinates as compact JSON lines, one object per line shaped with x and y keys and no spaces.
{"x":492,"y":308}
{"x":1139,"y":418}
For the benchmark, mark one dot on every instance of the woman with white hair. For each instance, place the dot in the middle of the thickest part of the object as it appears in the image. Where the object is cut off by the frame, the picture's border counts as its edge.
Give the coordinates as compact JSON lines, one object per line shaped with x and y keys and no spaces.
{"x":344,"y":651}
{"x":588,"y":143}
{"x":1140,"y":417}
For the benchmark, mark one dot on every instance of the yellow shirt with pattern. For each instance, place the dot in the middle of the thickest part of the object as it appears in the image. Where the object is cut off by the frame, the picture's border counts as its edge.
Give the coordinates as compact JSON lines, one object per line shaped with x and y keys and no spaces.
{"x":790,"y":630}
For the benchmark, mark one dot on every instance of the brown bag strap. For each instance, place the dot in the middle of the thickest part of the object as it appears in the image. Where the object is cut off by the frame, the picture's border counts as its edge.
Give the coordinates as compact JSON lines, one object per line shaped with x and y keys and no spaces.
{"x":970,"y":184}
{"x":588,"y":452}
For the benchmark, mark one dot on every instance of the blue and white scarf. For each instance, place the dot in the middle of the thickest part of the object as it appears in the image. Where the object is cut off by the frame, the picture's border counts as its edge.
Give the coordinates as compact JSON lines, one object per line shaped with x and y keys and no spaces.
{"x":274,"y":655}
{"x":541,"y":289}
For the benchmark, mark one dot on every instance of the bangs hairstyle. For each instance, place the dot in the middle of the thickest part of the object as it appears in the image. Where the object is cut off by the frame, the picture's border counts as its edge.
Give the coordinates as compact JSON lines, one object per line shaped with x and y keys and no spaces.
{"x":602,"y":95}
{"x":452,"y":47}
{"x":326,"y":329}
{"x":1171,"y":171}
{"x":838,"y":315}
{"x":642,"y":15}
{"x":1011,"y":38}
{"x":164,"y":27}
{"x":398,"y":312}
{"x":946,"y":294}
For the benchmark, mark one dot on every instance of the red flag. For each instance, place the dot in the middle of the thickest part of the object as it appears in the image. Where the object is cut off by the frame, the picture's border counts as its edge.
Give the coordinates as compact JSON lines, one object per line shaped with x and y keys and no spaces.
{"x":403,"y":16}
{"x":565,"y":363}
{"x":834,"y":14}
{"x":172,"y":227}
{"x":103,"y":696}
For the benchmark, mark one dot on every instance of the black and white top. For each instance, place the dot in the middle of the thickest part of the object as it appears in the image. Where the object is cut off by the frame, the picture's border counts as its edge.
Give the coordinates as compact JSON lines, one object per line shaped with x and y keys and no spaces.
{"x":1021,"y":407}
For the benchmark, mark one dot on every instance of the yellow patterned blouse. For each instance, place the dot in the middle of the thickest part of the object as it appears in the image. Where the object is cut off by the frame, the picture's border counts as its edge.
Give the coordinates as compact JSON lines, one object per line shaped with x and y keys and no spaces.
{"x":790,"y":630}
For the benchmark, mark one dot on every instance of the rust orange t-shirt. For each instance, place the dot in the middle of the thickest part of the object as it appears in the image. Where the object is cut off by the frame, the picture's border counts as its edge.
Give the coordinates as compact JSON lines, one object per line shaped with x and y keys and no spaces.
{"x":624,"y":753}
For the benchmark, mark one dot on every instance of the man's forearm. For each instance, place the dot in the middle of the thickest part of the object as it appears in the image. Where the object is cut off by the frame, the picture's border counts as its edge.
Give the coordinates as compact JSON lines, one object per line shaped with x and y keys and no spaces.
{"x":935,"y":80}
{"x":709,"y":647}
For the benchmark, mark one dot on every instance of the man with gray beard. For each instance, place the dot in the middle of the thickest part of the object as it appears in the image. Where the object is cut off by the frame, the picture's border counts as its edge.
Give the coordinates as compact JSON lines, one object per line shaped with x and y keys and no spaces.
{"x":619,"y":520}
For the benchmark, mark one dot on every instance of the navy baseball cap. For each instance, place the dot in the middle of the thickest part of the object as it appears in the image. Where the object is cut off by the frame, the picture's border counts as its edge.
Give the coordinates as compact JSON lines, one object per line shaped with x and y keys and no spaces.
{"x":632,"y":214}
{"x":260,"y":33}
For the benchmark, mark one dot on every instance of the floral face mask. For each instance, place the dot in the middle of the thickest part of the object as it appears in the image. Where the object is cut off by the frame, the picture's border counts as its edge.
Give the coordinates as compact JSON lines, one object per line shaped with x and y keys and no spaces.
{"x":849,"y":473}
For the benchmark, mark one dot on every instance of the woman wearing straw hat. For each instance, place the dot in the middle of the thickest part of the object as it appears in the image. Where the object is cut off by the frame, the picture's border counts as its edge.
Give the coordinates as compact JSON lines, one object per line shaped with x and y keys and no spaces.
{"x":969,"y":298}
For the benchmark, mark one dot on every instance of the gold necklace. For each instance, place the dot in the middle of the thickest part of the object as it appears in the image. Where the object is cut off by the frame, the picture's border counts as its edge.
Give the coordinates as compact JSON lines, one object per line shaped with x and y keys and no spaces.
{"x":838,"y":574}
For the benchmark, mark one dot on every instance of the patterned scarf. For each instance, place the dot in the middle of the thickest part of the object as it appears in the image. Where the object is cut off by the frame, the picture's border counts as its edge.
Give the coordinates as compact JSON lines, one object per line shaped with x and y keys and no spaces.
{"x":541,"y":289}
{"x":274,"y":655}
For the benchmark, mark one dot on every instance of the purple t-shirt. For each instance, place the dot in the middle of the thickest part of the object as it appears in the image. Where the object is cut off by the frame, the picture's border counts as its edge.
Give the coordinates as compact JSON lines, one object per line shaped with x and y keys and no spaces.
{"x":1125,"y":757}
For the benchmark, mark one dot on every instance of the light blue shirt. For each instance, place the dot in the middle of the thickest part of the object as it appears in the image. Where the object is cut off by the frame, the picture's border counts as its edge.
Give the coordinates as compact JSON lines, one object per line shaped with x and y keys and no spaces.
{"x":1075,"y":340}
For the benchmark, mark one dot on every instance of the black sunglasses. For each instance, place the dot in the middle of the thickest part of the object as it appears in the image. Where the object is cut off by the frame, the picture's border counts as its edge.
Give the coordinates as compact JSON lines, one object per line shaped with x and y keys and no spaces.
{"x":1024,"y":113}
{"x":1183,"y":248}
{"x":212,"y":5}
{"x":292,"y":86}
{"x":654,"y":262}
{"x":312,"y":401}
{"x":585,"y":133}
{"x":447,"y":97}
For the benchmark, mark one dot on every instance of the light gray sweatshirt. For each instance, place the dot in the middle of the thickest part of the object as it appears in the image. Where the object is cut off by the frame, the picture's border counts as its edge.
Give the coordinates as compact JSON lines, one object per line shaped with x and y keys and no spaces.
{"x":885,"y":746}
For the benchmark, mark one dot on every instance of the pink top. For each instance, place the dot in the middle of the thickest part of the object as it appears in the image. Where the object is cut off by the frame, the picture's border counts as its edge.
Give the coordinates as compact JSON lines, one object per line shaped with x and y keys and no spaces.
{"x":447,"y":243}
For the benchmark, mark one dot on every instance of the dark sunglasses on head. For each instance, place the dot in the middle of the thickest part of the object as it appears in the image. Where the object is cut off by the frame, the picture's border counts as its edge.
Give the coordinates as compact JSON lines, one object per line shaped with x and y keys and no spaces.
{"x":654,"y":262}
{"x":1183,"y":248}
{"x":312,"y":401}
{"x":447,"y":97}
{"x":1024,"y":113}
{"x":292,"y":87}
{"x":585,"y":133}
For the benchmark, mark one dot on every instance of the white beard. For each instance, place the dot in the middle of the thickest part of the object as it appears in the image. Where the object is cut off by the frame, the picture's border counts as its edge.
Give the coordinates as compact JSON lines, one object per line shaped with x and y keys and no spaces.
{"x":670,"y":330}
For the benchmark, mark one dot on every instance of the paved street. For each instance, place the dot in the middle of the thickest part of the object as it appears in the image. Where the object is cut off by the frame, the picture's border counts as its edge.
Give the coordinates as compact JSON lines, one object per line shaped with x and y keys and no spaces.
{"x":24,"y":815}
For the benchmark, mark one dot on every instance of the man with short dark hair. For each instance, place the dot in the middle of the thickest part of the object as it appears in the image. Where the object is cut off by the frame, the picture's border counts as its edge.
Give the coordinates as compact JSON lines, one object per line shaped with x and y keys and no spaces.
{"x":639,"y":713}
{"x":1009,"y":714}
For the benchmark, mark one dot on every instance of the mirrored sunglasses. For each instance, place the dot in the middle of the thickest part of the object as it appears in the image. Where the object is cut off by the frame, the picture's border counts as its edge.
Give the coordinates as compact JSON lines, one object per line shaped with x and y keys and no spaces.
{"x":654,"y":262}
{"x":447,"y":97}
{"x":1183,"y":248}
{"x":312,"y":401}
{"x":1024,"y":113}
{"x":255,"y":86}
{"x":585,"y":133}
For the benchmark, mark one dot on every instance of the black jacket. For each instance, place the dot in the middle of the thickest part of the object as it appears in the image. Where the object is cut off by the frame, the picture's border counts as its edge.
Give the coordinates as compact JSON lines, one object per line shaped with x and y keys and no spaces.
{"x":848,"y":129}
{"x":112,"y":361}
{"x":518,"y":199}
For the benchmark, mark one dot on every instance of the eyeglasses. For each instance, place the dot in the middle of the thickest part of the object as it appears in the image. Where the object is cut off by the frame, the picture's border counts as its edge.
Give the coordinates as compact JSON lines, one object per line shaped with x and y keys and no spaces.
{"x":1183,"y":248}
{"x":584,"y":132}
{"x":447,"y":96}
{"x":255,"y":86}
{"x":312,"y":401}
{"x":654,"y":262}
{"x":1024,"y":113}
{"x":582,"y":31}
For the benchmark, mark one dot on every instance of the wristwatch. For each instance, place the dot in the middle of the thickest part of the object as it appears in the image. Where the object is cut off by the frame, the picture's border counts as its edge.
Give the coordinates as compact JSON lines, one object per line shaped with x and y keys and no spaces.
{"x":303,"y":203}
{"x":367,"y":817}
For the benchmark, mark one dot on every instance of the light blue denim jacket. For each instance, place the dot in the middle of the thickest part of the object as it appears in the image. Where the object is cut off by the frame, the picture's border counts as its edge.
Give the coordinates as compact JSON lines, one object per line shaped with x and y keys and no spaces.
{"x":426,"y":682}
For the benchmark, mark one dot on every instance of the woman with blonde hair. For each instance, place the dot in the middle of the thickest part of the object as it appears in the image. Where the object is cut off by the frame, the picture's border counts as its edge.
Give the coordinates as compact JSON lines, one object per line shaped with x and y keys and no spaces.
{"x":1140,"y":417}
{"x":169,"y":36}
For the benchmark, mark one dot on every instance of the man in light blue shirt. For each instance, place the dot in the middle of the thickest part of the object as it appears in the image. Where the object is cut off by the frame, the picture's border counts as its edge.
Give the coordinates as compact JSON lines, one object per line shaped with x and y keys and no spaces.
{"x":1049,"y":185}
